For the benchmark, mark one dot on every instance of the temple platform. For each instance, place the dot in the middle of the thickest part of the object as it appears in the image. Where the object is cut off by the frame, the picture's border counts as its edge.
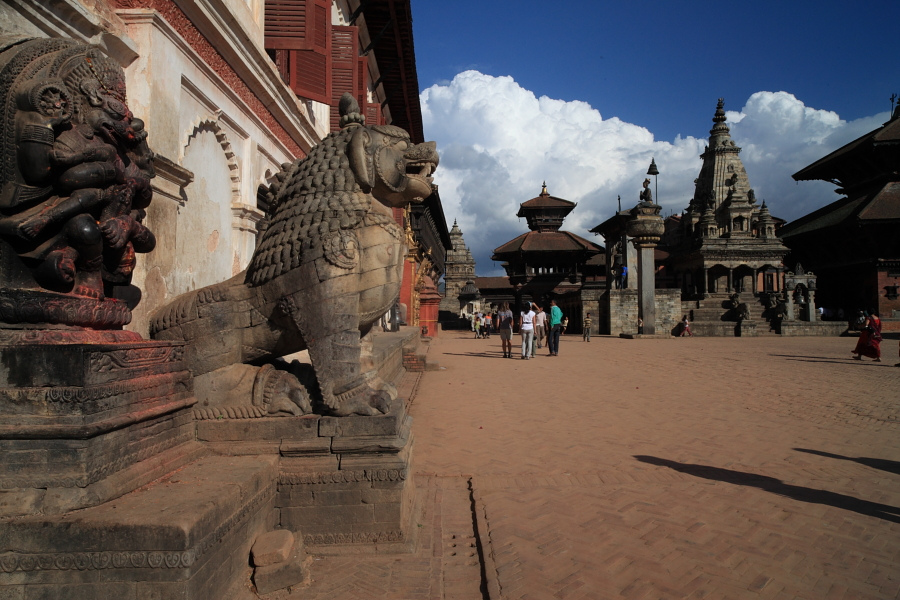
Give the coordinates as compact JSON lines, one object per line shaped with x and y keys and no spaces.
{"x":178,"y":517}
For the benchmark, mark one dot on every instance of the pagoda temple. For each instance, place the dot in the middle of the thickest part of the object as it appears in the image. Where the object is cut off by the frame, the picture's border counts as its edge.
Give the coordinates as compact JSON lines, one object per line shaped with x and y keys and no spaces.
{"x":547,"y":262}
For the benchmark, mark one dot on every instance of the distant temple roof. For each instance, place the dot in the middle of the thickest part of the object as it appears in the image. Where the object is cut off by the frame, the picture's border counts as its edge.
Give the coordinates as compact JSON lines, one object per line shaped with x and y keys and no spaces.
{"x":843,"y":165}
{"x":547,"y":241}
{"x":866,"y":168}
{"x":545,"y":212}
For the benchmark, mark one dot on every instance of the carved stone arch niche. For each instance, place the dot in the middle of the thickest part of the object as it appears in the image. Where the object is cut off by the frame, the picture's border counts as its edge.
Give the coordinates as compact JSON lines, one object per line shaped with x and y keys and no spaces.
{"x":204,"y":240}
{"x":211,"y":123}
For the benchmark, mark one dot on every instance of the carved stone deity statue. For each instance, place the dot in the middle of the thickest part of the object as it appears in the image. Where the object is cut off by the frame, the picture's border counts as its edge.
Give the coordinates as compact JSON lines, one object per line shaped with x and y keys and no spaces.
{"x":74,"y":182}
{"x":646,"y":194}
{"x":326,"y":269}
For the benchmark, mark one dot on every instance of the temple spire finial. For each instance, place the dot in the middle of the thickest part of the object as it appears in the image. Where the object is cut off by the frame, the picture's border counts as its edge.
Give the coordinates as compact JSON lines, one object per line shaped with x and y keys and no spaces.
{"x":544,"y":189}
{"x":720,"y":130}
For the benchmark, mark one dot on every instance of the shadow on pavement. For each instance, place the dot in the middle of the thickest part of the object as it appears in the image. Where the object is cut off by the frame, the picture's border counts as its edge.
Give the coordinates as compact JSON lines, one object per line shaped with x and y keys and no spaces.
{"x":826,"y":359}
{"x":482,"y":354}
{"x":891,"y":466}
{"x":776,"y":486}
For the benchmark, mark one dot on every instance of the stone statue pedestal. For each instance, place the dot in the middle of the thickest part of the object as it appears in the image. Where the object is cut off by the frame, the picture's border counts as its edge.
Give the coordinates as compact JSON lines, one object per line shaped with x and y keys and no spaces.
{"x":104,"y":490}
{"x":115,"y":484}
{"x":187,"y":536}
{"x":344,"y":483}
{"x":87,"y":422}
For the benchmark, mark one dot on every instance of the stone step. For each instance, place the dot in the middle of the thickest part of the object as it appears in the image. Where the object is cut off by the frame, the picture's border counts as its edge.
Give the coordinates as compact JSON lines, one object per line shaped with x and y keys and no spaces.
{"x":186,"y":535}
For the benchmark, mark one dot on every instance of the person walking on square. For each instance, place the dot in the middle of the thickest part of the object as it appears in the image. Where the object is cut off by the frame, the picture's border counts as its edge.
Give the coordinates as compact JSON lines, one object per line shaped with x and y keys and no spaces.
{"x":586,"y":333}
{"x":869,"y":343}
{"x":555,"y":323}
{"x":686,"y":327}
{"x":505,"y":317}
{"x":477,"y":324}
{"x":486,"y":326}
{"x":540,"y":325}
{"x":526,"y":330}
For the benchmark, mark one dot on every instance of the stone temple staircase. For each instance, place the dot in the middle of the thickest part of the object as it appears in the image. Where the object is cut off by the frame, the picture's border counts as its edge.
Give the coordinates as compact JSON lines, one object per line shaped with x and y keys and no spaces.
{"x":711,"y":317}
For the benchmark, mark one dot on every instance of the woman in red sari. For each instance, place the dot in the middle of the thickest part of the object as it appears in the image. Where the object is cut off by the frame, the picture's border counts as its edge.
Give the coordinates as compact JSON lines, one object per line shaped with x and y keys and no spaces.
{"x":869,"y":343}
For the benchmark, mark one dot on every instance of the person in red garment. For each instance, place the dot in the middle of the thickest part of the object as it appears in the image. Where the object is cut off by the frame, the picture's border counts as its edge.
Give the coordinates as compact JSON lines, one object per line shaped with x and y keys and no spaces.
{"x":869,"y":343}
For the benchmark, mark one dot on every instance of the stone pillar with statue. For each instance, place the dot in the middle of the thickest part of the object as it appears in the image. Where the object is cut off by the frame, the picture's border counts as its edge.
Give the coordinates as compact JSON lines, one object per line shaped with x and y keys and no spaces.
{"x":646,"y":228}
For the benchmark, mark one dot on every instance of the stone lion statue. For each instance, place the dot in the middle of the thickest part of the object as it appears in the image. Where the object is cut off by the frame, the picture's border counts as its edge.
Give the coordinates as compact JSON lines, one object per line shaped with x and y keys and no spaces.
{"x":326,"y":269}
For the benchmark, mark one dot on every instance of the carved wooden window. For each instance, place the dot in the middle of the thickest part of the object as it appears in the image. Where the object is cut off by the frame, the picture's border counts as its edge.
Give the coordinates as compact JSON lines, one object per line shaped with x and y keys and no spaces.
{"x":298,"y":38}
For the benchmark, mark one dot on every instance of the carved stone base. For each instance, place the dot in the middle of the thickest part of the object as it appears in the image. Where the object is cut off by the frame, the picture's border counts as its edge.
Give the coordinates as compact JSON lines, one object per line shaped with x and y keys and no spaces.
{"x":115,"y":488}
{"x":362,"y":504}
{"x":185,"y":536}
{"x":344,"y":482}
{"x":40,"y":307}
{"x":82,"y":423}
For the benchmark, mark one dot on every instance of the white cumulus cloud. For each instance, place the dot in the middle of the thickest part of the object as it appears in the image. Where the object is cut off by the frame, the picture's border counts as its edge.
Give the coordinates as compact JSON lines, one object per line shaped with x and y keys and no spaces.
{"x":498,"y":142}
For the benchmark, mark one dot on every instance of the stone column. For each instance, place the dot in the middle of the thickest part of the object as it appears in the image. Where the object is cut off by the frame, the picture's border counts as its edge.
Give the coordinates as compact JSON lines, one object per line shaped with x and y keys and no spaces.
{"x":812,"y":314}
{"x":729,"y":285}
{"x":646,"y":227}
{"x":789,"y":313}
{"x":631,"y":261}
{"x":705,"y":289}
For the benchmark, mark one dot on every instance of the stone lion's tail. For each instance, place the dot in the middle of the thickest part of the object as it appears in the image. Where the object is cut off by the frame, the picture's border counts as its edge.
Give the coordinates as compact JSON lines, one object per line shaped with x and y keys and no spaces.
{"x":166,"y":323}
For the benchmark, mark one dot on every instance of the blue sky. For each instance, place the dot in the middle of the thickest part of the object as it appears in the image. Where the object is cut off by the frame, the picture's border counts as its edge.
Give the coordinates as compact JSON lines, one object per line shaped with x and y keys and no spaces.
{"x":582,"y":93}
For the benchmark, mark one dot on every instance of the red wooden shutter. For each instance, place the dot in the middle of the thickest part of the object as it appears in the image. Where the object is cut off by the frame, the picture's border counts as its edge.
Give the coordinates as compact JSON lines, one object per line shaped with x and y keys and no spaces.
{"x":286,"y":24}
{"x":300,"y":33}
{"x":374,"y":115}
{"x":344,"y":69}
{"x":362,"y":84}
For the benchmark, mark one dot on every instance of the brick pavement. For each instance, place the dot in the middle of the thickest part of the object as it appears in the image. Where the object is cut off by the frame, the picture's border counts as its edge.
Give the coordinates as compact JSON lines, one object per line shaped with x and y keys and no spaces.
{"x":614,"y":471}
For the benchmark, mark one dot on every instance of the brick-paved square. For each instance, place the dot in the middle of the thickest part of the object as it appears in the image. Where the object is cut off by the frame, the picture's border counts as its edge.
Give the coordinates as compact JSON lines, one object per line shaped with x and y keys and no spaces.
{"x":674,"y":468}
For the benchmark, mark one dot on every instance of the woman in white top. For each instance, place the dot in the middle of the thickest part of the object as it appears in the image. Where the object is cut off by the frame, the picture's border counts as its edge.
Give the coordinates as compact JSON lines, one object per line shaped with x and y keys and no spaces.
{"x":526,"y":328}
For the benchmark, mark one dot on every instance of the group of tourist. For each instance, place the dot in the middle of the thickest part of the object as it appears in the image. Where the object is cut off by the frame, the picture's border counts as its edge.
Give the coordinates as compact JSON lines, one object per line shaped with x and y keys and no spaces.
{"x":869,"y":343}
{"x":483,"y":324}
{"x":536,"y":328}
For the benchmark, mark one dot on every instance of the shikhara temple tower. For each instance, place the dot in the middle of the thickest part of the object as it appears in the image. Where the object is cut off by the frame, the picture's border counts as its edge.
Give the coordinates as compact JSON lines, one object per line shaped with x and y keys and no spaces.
{"x":726,"y":242}
{"x":722,"y":177}
{"x":459,"y":269}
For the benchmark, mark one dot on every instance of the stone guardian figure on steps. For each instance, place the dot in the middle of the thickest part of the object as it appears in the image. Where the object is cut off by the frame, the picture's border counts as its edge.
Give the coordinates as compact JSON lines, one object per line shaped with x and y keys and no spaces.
{"x":326,"y":269}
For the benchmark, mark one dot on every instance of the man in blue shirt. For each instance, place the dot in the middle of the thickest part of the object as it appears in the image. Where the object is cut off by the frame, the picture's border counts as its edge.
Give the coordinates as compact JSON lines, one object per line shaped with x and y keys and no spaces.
{"x":556,"y":317}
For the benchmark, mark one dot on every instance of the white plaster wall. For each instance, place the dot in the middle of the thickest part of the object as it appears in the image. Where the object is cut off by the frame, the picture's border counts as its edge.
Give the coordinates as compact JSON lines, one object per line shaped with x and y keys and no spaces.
{"x":203,"y":237}
{"x":206,"y":233}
